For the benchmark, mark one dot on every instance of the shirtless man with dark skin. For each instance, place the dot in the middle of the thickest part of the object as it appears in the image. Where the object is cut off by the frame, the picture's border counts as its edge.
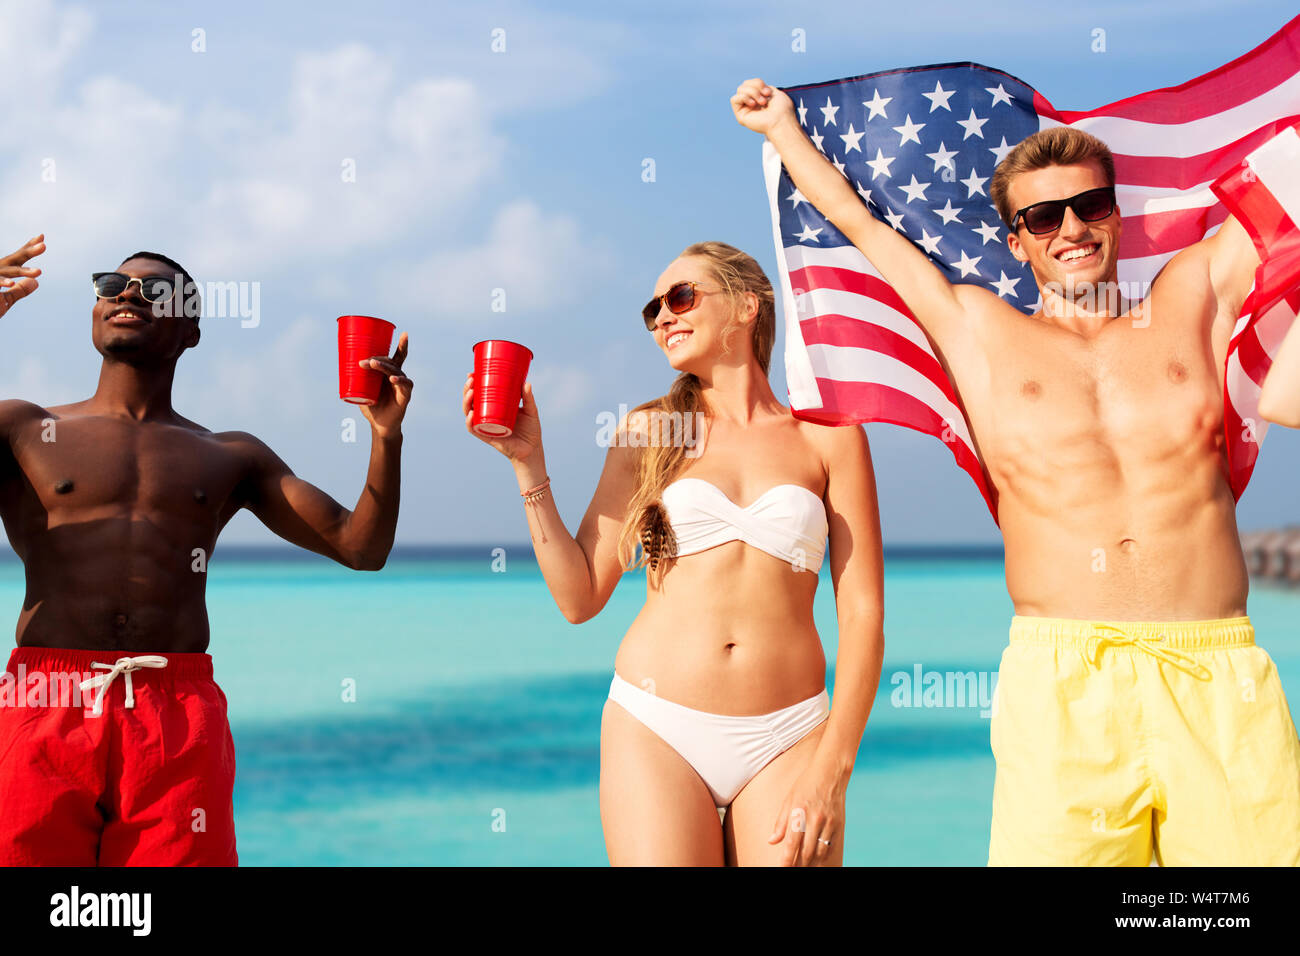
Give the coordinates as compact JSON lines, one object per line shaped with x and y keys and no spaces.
{"x":106,"y":499}
{"x":114,"y":503}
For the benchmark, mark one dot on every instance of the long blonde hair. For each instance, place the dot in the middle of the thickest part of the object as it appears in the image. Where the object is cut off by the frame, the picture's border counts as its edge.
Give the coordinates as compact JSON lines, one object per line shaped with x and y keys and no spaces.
{"x":658,"y":463}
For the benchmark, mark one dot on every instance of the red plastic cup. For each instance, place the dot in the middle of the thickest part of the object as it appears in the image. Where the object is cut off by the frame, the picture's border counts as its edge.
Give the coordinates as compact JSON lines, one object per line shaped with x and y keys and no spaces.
{"x":362,"y":337}
{"x":500,"y":369}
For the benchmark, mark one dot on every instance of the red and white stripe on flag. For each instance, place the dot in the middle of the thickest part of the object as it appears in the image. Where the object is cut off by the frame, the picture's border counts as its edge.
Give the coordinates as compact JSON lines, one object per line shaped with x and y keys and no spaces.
{"x":1263,"y":193}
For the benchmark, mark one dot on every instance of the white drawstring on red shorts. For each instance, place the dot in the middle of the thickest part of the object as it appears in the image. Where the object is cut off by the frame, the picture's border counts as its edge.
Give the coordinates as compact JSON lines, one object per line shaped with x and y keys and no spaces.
{"x":124,"y":665}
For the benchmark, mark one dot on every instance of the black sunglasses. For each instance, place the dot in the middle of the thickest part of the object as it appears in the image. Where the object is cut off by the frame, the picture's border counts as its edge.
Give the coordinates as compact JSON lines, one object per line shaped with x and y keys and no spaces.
{"x":1090,"y":206}
{"x":680,"y":298}
{"x":109,"y":285}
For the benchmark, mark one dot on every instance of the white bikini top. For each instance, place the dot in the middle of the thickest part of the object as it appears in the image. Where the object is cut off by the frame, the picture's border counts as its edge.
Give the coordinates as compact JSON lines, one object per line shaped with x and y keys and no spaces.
{"x":786,"y":521}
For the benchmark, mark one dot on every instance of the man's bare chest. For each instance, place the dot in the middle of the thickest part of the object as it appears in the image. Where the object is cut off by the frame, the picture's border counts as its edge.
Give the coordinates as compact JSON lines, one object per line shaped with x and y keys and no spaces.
{"x":74,"y":466}
{"x":1132,"y":391}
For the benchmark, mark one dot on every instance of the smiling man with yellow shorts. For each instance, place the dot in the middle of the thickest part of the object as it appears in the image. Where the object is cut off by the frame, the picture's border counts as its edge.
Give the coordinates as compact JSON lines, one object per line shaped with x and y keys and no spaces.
{"x":1136,"y":718}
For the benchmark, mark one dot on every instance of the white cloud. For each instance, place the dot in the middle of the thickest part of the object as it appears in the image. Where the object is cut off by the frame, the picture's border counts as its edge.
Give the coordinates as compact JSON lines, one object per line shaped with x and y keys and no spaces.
{"x":560,"y":390}
{"x":37,"y":42}
{"x":258,"y":377}
{"x":94,"y":165}
{"x":551,"y":56}
{"x":540,"y":262}
{"x":357,"y":161}
{"x":110,"y":159}
{"x":256,"y":192}
{"x":32,"y":383}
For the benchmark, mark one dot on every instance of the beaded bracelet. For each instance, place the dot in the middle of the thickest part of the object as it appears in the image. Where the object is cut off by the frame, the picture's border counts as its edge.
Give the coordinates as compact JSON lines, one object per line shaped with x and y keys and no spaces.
{"x":532,"y":496}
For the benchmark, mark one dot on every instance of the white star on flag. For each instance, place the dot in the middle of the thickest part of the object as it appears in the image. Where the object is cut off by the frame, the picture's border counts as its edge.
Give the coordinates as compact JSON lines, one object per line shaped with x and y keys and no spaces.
{"x":851,"y":140}
{"x":909,"y":130}
{"x":1006,"y":286}
{"x":880,"y":165}
{"x":914,"y":189}
{"x":974,"y":184}
{"x":939,"y":98}
{"x":948,"y":214}
{"x":943,"y":157}
{"x":1000,"y":152}
{"x":967,"y":264}
{"x":809,"y":234}
{"x":999,"y":95}
{"x":973,"y":126}
{"x":877,"y":105}
{"x":828,"y":112}
{"x":929,"y":243}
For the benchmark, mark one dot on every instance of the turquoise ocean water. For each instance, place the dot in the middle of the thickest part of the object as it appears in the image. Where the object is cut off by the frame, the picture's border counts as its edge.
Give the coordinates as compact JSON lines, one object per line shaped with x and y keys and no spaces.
{"x":440,"y":712}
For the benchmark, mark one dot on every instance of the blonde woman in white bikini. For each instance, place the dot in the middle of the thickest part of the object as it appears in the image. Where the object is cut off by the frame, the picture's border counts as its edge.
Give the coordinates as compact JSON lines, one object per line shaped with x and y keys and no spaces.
{"x":719,"y":692}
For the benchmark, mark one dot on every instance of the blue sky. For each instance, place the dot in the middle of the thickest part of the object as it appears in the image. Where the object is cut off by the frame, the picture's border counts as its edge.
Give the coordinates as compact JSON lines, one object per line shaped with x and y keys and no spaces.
{"x":478,"y":170}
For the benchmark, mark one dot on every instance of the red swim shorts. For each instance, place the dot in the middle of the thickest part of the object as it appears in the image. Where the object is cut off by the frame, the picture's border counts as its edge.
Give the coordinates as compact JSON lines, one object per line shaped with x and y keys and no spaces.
{"x":114,"y":758}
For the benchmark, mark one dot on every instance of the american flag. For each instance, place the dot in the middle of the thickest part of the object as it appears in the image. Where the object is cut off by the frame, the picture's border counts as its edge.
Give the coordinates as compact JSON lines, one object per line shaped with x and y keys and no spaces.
{"x":919,"y":145}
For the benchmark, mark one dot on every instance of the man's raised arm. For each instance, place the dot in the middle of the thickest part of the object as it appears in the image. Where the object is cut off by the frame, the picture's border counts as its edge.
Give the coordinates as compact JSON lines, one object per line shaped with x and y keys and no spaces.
{"x":939,"y":305}
{"x":305,"y":515}
{"x":1229,"y":260}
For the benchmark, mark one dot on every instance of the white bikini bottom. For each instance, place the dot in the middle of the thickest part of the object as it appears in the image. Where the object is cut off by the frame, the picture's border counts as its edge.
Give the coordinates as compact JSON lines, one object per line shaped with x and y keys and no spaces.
{"x":727,"y":751}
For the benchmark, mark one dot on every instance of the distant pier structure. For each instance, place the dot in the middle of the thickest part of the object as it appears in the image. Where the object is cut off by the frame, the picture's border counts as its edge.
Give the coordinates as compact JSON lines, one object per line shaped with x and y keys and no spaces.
{"x":1273,"y":555}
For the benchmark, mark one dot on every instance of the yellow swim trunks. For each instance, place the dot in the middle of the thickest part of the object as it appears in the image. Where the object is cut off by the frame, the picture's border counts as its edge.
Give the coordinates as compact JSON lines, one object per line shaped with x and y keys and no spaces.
{"x":1118,"y":741}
